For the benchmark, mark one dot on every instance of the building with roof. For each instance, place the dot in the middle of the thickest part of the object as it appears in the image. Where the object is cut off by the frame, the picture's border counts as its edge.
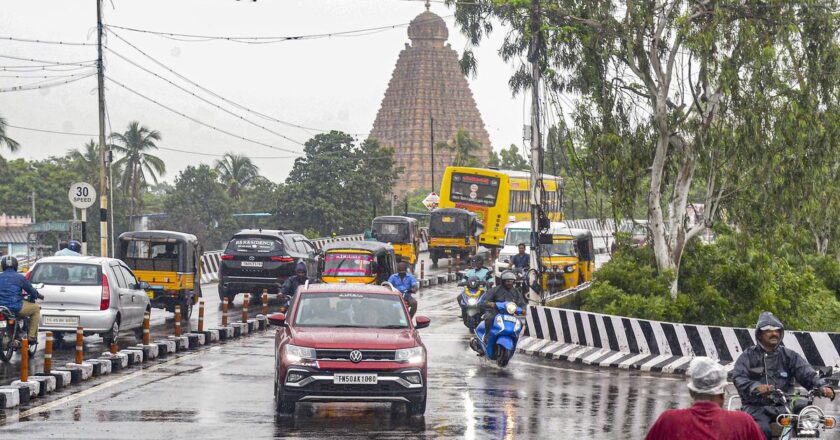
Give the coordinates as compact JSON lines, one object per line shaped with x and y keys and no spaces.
{"x":428,"y":96}
{"x":13,"y":232}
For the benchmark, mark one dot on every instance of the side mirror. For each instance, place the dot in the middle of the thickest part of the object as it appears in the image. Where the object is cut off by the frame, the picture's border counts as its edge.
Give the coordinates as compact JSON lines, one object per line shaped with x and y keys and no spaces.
{"x":142,"y":285}
{"x":277,"y":319}
{"x":422,"y":321}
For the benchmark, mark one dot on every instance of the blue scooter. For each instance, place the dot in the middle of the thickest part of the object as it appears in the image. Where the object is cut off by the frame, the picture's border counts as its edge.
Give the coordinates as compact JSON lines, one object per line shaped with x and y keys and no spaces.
{"x":469,"y":300}
{"x":503,"y":336}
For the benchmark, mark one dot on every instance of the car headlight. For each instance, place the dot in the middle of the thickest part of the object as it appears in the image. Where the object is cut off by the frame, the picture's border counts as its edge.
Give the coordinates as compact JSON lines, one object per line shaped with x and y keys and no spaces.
{"x":570,"y":268}
{"x":511,"y":308}
{"x":472,"y":301}
{"x":412,"y":355}
{"x":809,"y":418}
{"x":295,"y":354}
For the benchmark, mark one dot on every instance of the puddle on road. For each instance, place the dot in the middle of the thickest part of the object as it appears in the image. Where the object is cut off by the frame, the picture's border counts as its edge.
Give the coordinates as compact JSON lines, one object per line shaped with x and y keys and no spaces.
{"x":146,"y":416}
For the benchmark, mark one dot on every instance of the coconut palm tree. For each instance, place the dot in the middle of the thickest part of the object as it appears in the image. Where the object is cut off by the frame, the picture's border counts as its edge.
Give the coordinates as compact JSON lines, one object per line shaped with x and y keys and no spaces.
{"x":464,"y":148}
{"x":139,"y":167}
{"x":11,"y":144}
{"x":86,"y":160}
{"x":236,"y":171}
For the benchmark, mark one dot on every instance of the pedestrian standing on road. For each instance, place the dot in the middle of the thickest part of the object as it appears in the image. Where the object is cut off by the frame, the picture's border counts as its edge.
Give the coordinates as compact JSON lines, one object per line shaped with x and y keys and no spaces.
{"x":706,"y":419}
{"x":406,"y":284}
{"x":521,"y":260}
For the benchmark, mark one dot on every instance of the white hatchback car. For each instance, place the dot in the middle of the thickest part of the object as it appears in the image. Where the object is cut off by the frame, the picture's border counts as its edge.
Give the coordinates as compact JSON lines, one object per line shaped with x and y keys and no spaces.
{"x":99,"y":294}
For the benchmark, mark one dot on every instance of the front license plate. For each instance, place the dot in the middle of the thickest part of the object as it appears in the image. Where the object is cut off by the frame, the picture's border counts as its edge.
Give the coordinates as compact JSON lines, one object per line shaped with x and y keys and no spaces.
{"x":355,"y":379}
{"x":252,"y":264}
{"x":151,"y":295}
{"x":72,"y":321}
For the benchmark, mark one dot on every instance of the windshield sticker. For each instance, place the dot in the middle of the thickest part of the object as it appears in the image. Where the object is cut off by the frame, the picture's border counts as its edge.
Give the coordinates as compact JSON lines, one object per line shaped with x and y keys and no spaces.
{"x":351,"y":295}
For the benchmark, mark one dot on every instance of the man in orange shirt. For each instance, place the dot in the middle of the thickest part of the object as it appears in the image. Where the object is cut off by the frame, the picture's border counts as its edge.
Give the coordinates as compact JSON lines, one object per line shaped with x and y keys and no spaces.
{"x":705,"y":420}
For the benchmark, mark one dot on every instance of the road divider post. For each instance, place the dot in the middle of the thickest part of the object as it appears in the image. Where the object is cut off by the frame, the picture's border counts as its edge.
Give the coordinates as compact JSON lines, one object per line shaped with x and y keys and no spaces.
{"x":80,"y":334}
{"x":225,"y":312}
{"x":245,"y":308}
{"x":265,"y":302}
{"x":422,"y":270}
{"x":146,"y":336}
{"x":48,"y":349}
{"x":201,"y":316}
{"x":449,"y":266}
{"x":178,"y":320}
{"x":24,"y":360}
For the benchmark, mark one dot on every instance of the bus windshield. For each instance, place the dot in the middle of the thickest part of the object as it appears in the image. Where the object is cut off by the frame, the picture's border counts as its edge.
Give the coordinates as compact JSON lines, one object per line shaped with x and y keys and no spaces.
{"x":474,"y":189}
{"x":516,"y":236}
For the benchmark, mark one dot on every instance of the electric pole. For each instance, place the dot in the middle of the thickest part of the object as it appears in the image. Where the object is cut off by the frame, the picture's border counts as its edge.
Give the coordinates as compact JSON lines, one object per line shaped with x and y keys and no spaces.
{"x":534,"y":55}
{"x":103,"y":148}
{"x":432,"y":145}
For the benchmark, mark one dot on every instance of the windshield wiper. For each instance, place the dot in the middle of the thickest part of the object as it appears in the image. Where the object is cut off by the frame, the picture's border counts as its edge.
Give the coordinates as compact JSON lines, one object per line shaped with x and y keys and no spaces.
{"x":346,"y":326}
{"x":393,"y":326}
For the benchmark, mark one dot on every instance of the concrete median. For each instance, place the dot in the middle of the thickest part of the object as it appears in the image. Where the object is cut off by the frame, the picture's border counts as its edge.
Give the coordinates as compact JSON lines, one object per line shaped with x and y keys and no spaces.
{"x":62,"y":378}
{"x":85,"y":369}
{"x":47,"y":384}
{"x":9,"y":397}
{"x":167,"y":346}
{"x":211,"y":335}
{"x":182,"y":343}
{"x":196,"y":340}
{"x":20,"y":395}
{"x":33,"y":386}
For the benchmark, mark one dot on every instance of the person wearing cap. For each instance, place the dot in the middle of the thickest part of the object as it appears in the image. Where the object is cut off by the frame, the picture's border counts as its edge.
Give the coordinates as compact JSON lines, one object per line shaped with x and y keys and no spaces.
{"x":768,"y":366}
{"x":706,"y":419}
{"x":290,"y":287}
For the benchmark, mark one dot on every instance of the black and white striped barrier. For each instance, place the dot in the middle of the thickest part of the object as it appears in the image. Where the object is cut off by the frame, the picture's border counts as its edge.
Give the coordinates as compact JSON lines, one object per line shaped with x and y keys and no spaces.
{"x":21,"y":393}
{"x":619,"y":342}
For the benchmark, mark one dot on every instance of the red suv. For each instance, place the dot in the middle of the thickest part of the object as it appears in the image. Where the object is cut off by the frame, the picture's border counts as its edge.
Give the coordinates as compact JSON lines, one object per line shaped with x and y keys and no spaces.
{"x":349,"y":343}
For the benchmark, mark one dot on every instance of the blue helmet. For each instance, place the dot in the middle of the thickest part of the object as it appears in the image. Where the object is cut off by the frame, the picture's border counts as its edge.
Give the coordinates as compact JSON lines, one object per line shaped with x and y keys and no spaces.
{"x":300,"y":267}
{"x":74,"y":246}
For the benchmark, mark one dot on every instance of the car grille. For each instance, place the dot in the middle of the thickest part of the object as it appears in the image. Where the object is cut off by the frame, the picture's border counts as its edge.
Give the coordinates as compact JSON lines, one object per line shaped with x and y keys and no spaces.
{"x":323,"y":386}
{"x":344,"y":355}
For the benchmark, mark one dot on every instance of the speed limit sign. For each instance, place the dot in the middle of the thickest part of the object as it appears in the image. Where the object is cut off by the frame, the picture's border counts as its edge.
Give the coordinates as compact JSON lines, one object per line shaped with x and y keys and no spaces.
{"x":81,"y":195}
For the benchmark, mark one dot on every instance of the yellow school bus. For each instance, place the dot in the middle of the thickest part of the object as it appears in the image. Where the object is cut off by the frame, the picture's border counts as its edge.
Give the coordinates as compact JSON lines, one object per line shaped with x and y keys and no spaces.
{"x":498,"y":197}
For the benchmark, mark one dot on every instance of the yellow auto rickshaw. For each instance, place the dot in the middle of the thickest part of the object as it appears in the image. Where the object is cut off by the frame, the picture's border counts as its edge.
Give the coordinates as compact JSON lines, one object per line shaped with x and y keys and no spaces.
{"x":403,"y":233}
{"x":568,"y":258}
{"x":453,"y":232}
{"x":363,"y":262}
{"x":170,"y":262}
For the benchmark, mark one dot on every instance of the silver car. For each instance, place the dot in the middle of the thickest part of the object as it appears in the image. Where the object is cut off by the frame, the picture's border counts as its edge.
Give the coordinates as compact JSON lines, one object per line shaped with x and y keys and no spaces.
{"x":101,"y":295}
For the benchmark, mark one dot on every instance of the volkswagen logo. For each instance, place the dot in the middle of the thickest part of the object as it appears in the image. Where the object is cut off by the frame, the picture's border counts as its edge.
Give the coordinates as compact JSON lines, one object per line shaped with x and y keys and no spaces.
{"x":251,"y":258}
{"x":355,"y":356}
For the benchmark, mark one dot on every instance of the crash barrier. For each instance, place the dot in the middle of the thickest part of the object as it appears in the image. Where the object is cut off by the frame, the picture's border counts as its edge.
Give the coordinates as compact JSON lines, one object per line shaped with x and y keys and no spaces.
{"x":630,"y":343}
{"x":29,"y":387}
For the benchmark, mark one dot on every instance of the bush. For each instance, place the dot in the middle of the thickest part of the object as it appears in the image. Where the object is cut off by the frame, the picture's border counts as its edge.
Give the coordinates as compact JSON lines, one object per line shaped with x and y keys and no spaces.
{"x":727,"y":283}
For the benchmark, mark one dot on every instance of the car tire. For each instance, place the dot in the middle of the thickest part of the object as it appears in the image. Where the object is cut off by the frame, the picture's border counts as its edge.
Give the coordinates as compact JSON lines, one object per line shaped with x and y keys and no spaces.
{"x":111,"y":336}
{"x":186,"y":309}
{"x":284,"y":406}
{"x":222,"y":294}
{"x":7,"y":344}
{"x":417,"y":408}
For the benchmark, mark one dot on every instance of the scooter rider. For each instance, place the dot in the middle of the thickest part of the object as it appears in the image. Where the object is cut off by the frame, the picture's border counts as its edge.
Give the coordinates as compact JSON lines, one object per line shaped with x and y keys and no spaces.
{"x":73,"y":249}
{"x":11,"y":285}
{"x":767,"y":366}
{"x":501,"y":293}
{"x":479,"y":271}
{"x":290,"y":287}
{"x":407,"y":285}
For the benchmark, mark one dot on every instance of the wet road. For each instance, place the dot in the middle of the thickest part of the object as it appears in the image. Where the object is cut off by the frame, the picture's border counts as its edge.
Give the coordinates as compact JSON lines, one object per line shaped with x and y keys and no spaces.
{"x":226,"y":392}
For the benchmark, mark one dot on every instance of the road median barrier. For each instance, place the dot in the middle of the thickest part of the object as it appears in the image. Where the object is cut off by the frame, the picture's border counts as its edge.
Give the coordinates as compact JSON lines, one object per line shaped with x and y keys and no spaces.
{"x":134,"y":355}
{"x":211,"y":335}
{"x":182,"y":343}
{"x":167,"y":347}
{"x":118,"y":360}
{"x":196,"y":340}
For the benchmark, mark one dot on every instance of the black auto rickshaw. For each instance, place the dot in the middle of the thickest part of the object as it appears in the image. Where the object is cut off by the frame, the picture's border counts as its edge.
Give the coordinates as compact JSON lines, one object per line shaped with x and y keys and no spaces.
{"x":170,"y":262}
{"x":453,"y":231}
{"x":365,"y":262}
{"x":403,"y":233}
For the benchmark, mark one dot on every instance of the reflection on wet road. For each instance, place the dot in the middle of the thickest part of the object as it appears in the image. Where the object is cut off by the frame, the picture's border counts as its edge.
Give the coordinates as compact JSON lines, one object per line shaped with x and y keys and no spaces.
{"x":226,"y":392}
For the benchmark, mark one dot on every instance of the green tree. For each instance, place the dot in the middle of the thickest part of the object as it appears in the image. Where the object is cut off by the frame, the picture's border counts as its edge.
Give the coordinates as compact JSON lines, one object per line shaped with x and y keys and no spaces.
{"x":493,"y":161}
{"x":138,"y":164}
{"x":236,"y":171}
{"x":510,"y":159}
{"x":86,"y":161}
{"x":464,"y":148}
{"x":199,"y":205}
{"x":10,"y":143}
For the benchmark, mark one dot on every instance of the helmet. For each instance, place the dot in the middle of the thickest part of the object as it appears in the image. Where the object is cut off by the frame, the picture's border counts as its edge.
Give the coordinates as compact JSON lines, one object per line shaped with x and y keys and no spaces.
{"x":8,"y":262}
{"x":508,"y":275}
{"x":478,"y":259}
{"x":300,"y":267}
{"x":472,"y":282}
{"x":74,"y":246}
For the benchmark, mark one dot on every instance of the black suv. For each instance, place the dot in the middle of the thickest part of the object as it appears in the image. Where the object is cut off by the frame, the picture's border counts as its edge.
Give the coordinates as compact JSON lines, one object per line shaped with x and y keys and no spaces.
{"x":257,"y":259}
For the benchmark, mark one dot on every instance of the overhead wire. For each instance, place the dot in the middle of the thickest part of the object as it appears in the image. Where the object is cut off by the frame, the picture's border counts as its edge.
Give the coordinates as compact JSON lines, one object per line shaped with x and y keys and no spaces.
{"x":48,"y":62}
{"x":44,"y":68}
{"x":309,"y":130}
{"x":61,"y":43}
{"x":22,"y":88}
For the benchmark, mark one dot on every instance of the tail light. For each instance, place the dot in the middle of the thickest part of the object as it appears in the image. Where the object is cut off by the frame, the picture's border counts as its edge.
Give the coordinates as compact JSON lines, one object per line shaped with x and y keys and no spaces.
{"x":28,"y":274}
{"x":105,"y":302}
{"x":283,"y":259}
{"x":227,"y":257}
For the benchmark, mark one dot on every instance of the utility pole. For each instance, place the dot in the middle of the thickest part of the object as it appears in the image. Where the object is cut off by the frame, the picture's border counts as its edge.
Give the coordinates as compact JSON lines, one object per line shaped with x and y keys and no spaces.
{"x":432,"y":145}
{"x":534,"y":55}
{"x":103,"y":148}
{"x":33,"y":207}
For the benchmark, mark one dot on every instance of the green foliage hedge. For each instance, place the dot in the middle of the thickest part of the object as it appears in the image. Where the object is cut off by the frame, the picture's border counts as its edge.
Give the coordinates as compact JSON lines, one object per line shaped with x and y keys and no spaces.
{"x":726,"y":283}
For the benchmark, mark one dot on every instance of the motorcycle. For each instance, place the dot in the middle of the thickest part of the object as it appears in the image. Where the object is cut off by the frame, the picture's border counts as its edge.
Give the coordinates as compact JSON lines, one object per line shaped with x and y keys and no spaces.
{"x":12,"y":330}
{"x":795,"y":423}
{"x":504,"y":335}
{"x":469,"y":300}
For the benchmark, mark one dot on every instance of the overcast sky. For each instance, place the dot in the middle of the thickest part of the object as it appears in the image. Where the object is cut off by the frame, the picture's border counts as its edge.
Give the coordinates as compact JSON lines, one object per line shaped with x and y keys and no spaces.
{"x":327,"y":83}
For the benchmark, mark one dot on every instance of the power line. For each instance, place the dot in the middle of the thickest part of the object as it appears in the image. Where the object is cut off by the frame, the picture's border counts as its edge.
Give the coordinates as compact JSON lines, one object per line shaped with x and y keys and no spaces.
{"x":39,"y":76}
{"x":61,"y":43}
{"x":44,"y":68}
{"x":269,"y":40}
{"x":200,"y":122}
{"x":52,"y":131}
{"x":216,"y":95}
{"x":42,"y":86}
{"x":53,"y":63}
{"x":203,"y":99}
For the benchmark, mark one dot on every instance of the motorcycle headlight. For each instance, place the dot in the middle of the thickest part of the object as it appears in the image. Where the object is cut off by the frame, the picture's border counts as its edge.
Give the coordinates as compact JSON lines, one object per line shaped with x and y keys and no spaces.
{"x":412,"y":355}
{"x":296,"y":354}
{"x":570,"y":268}
{"x":472,"y":301}
{"x":511,"y":308}
{"x":809,"y":418}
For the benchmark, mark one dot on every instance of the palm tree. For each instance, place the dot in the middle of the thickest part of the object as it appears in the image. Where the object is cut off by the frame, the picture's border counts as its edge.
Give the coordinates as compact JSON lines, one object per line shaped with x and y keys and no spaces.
{"x":11,"y":144}
{"x":86,"y":159}
{"x":236,"y":171}
{"x":464,"y":147}
{"x":139,"y":166}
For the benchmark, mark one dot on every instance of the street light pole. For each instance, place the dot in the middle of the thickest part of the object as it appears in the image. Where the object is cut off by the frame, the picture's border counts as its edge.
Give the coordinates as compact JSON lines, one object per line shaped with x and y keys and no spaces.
{"x":103,"y":148}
